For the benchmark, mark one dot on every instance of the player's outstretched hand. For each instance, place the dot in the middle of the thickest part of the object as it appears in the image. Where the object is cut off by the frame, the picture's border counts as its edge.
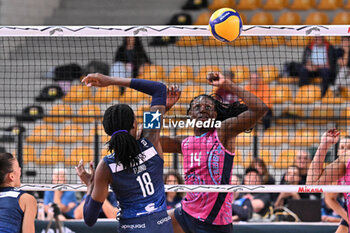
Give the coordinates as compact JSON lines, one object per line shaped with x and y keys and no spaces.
{"x":85,"y":177}
{"x":173,"y":95}
{"x":97,"y":80}
{"x":330,"y":137}
{"x":217,"y":79}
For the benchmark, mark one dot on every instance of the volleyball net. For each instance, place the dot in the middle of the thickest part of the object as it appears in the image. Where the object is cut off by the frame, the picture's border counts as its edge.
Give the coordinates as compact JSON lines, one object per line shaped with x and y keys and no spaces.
{"x":51,"y":121}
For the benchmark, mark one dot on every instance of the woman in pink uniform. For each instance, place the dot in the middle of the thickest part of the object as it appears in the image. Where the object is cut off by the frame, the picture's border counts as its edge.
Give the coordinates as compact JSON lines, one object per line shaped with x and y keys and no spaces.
{"x":208,"y":157}
{"x":336,"y":172}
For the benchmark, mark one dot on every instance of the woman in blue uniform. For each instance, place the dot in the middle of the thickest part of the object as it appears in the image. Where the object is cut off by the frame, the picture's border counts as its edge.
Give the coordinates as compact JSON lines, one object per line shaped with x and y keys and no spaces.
{"x":17,"y":209}
{"x":134,"y":169}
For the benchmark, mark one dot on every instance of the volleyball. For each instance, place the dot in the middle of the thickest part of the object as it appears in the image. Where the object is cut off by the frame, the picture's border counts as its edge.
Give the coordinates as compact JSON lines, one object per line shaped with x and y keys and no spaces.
{"x":225,"y":24}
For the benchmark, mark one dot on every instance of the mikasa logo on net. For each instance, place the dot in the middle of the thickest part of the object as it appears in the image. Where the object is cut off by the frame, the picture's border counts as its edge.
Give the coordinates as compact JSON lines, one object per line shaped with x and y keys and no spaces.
{"x":151,"y":120}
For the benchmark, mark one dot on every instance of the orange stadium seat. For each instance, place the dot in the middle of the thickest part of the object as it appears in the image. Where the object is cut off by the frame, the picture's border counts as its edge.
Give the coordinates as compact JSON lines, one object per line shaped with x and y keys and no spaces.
{"x":329,"y":98}
{"x":275,"y":5}
{"x":300,"y":5}
{"x":84,"y":153}
{"x":289,"y":18}
{"x":274,"y":137}
{"x":262,"y":18}
{"x":133,"y":96}
{"x":293,"y":112}
{"x":77,"y":94}
{"x":180,"y":74}
{"x":341,"y":18}
{"x":70,"y":134}
{"x":316,"y":18}
{"x":302,"y":41}
{"x":280,"y":94}
{"x":29,"y":154}
{"x":168,"y":160}
{"x":201,"y":77}
{"x":203,"y":18}
{"x":51,"y":155}
{"x":285,"y":159}
{"x":41,"y":134}
{"x":100,"y":131}
{"x":189,"y":92}
{"x":104,"y":151}
{"x":60,"y":109}
{"x":211,"y":41}
{"x":268,"y":73}
{"x":189,"y":41}
{"x":307,"y":94}
{"x":271,"y":41}
{"x":153,"y":72}
{"x":217,"y":4}
{"x":106,"y":94}
{"x":241,"y":73}
{"x":305,"y":138}
{"x":244,"y":139}
{"x":238,"y":159}
{"x":248,"y":4}
{"x":322,"y":112}
{"x":329,"y":5}
{"x":245,"y":41}
{"x":88,"y":110}
{"x":345,"y":113}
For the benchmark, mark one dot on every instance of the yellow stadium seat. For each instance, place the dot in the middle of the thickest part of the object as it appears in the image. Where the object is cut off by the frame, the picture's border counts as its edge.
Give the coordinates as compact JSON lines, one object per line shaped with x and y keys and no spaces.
{"x":84,"y":153}
{"x":41,"y":134}
{"x":248,"y":4}
{"x":285,"y":159}
{"x":289,"y":18}
{"x":211,"y":41}
{"x":88,"y":110}
{"x":217,"y":4}
{"x":275,"y":5}
{"x":345,"y":113}
{"x":165,"y":132}
{"x":322,"y":112}
{"x":189,"y":92}
{"x":329,"y":98}
{"x":293,"y":112}
{"x":201,"y":77}
{"x":106,"y":94}
{"x":100,"y":131}
{"x":77,"y":94}
{"x":203,"y":18}
{"x":245,"y":41}
{"x":70,"y":134}
{"x":180,"y":74}
{"x":61,"y":109}
{"x":316,"y":18}
{"x":329,"y":5}
{"x":168,"y":160}
{"x":238,"y":159}
{"x":262,"y":18}
{"x":347,"y":5}
{"x":189,"y":41}
{"x":305,"y":138}
{"x":241,"y":73}
{"x":274,"y":137}
{"x":288,"y":80}
{"x":268,"y":73}
{"x":133,"y":96}
{"x":307,"y":94}
{"x":302,"y":41}
{"x":244,"y":139}
{"x":302,"y":5}
{"x":280,"y":94}
{"x":271,"y":41}
{"x":29,"y":154}
{"x":341,"y":18}
{"x":153,"y":72}
{"x":104,"y":152}
{"x":51,"y":155}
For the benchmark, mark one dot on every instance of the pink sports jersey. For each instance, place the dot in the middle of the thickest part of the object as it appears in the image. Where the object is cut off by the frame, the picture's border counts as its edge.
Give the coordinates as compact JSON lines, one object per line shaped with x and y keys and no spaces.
{"x":345,"y":180}
{"x":207,"y":162}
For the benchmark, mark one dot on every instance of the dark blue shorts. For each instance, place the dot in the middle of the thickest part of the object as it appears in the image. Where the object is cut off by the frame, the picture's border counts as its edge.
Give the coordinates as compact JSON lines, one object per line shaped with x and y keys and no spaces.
{"x":153,"y":223}
{"x":344,"y":223}
{"x":191,"y":225}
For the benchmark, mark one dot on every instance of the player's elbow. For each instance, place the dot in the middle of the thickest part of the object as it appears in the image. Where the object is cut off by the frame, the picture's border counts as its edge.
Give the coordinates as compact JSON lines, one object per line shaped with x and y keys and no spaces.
{"x":90,"y":222}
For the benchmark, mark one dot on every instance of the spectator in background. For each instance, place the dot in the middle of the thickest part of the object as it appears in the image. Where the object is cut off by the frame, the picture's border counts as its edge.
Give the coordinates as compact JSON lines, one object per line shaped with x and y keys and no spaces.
{"x":302,"y":161}
{"x":223,"y":95}
{"x":292,"y":177}
{"x":332,"y":204}
{"x":261,"y":167}
{"x":343,"y":77}
{"x":109,"y":208}
{"x":319,"y":59}
{"x":173,"y":199}
{"x":262,"y":91}
{"x":65,"y":200}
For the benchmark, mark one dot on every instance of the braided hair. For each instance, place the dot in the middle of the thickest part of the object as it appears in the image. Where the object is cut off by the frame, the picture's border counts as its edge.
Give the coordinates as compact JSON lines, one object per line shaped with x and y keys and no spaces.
{"x":6,"y":162}
{"x":224,"y":111}
{"x":125,"y":147}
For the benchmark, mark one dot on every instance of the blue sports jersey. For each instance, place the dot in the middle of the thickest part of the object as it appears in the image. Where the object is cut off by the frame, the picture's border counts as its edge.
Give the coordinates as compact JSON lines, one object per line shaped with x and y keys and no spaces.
{"x":141,"y":190}
{"x":11,"y":214}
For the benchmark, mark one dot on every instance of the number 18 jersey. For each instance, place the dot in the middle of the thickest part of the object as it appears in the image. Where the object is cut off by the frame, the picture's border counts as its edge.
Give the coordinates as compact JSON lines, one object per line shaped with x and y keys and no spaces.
{"x":139,"y":191}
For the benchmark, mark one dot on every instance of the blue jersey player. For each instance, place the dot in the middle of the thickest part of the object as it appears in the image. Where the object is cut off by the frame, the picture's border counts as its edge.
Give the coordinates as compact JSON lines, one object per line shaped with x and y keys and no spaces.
{"x":17,"y":208}
{"x":134,"y":170}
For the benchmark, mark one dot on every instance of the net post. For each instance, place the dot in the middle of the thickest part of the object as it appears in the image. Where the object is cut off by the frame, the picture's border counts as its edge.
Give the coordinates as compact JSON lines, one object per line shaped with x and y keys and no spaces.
{"x":96,"y":145}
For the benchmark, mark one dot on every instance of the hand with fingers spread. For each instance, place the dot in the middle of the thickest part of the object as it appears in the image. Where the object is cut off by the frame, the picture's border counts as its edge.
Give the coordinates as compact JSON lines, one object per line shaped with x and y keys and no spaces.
{"x":173,"y":95}
{"x":85,"y":177}
{"x":98,"y":80}
{"x":330,"y":137}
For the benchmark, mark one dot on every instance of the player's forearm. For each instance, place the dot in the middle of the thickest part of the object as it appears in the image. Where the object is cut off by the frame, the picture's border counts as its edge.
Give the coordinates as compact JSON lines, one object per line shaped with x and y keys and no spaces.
{"x":316,"y":168}
{"x":336,"y":207}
